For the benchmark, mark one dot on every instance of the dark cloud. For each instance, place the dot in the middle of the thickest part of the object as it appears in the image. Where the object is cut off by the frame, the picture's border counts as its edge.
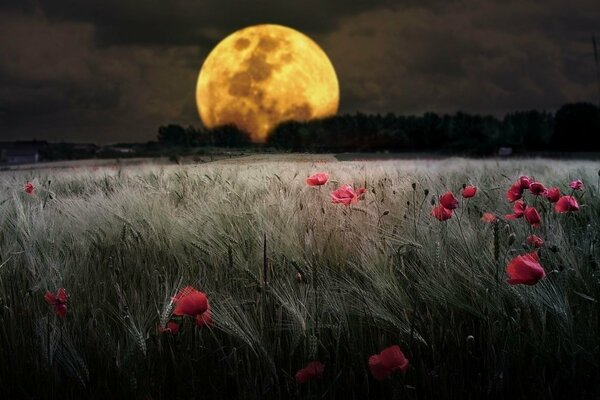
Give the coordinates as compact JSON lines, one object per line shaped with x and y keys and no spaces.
{"x":110,"y":70}
{"x":193,"y":22}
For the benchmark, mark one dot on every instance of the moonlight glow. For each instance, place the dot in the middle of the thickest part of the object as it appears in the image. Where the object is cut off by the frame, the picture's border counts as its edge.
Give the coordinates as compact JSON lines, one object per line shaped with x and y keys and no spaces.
{"x":263,"y":75}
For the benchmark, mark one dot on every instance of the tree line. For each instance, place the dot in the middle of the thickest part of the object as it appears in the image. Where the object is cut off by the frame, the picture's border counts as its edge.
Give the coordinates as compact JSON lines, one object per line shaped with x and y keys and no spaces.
{"x":574,"y":127}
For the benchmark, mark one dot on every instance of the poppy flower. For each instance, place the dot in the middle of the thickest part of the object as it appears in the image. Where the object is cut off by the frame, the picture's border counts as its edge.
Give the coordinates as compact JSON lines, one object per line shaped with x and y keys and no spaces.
{"x":566,"y":204}
{"x":29,"y":188}
{"x":388,"y":361}
{"x":552,"y":194}
{"x":312,"y":371}
{"x":518,"y":210}
{"x":525,"y":269}
{"x":193,"y":303}
{"x":537,"y":188}
{"x":204,"y":319}
{"x":449,"y":201}
{"x":532,"y":216}
{"x":58,"y":301}
{"x":441,"y":213}
{"x":469,"y":191}
{"x":172,"y":328}
{"x":524,"y":182}
{"x":489,"y":217}
{"x":535,"y":241}
{"x":576,"y":184}
{"x":515,"y":192}
{"x":346,"y":195}
{"x":318,"y":179}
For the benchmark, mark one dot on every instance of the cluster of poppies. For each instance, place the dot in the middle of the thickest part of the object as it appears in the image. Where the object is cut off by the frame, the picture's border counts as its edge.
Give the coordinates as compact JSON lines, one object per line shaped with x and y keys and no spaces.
{"x":448,"y":203}
{"x":526,"y":269}
{"x":381,"y":365}
{"x":523,"y":269}
{"x":562,"y":204}
{"x":343,"y":195}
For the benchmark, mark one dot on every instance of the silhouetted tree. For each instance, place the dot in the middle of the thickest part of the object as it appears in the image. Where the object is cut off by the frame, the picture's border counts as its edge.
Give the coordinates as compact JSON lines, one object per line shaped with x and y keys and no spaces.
{"x":228,"y":136}
{"x":176,"y":135}
{"x":577,"y":127}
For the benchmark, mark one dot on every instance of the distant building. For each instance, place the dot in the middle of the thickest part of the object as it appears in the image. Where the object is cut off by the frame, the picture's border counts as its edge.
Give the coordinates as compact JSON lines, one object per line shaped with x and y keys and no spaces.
{"x":505,"y":151}
{"x":118,"y":149}
{"x":85,"y":148}
{"x":20,"y":152}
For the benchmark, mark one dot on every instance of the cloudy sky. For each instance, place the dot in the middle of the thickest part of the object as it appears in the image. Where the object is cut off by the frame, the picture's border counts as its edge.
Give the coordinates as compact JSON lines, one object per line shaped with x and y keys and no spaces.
{"x":115,"y":70}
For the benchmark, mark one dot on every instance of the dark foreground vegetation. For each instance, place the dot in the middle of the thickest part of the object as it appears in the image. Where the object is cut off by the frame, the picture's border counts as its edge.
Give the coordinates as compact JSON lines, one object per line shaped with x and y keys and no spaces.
{"x":292,"y":278}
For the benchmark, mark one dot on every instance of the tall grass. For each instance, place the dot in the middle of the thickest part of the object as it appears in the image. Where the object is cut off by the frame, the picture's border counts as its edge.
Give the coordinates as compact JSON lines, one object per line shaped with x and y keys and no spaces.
{"x":292,"y":278}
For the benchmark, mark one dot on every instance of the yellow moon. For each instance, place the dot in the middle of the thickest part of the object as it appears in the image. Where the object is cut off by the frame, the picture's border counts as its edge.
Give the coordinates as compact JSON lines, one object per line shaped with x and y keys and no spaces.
{"x":262,"y":75}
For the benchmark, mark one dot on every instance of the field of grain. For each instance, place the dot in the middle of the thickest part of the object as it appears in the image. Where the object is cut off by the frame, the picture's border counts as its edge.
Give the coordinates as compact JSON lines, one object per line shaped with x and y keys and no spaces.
{"x":292,"y":278}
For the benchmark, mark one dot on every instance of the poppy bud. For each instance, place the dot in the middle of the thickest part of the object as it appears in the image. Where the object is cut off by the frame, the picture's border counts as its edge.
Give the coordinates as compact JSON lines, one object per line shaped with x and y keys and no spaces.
{"x":511,"y":238}
{"x":426,"y":192}
{"x":386,"y":212}
{"x":414,"y":185}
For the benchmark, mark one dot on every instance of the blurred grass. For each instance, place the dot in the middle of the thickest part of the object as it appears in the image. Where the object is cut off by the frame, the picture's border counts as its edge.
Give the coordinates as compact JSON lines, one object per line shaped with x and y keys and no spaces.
{"x":123,"y":241}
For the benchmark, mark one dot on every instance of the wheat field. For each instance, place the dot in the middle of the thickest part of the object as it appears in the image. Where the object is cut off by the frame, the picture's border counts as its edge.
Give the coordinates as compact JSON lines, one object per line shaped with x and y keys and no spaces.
{"x":291,"y":278}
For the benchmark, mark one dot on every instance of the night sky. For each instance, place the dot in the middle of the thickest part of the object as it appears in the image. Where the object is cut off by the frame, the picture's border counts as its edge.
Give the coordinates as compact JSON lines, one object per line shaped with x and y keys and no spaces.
{"x":114,"y":70}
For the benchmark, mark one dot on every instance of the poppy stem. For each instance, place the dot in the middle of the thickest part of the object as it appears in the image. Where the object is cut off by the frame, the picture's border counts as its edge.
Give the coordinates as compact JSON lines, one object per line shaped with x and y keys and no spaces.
{"x":47,"y":194}
{"x":497,"y":254}
{"x":265,"y":260}
{"x":413,"y":323}
{"x":414,"y":212}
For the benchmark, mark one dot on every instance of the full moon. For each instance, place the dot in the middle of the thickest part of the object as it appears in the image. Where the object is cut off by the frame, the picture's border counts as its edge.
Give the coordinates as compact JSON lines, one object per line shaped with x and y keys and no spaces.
{"x":262,"y":75}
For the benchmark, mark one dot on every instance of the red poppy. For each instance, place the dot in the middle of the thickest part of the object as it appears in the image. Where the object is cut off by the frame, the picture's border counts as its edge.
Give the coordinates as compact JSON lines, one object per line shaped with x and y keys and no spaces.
{"x":515,"y":192}
{"x":58,"y":301}
{"x":449,"y":201}
{"x":576,"y":184}
{"x":535,"y":241}
{"x":524,"y":182}
{"x":318,"y":179}
{"x":532,"y":216}
{"x":552,"y":194}
{"x":204,"y":319}
{"x":469,"y":191}
{"x":525,"y":269}
{"x":388,"y":361}
{"x":172,"y":328}
{"x":193,"y":303}
{"x":441,"y":213}
{"x":489,"y":218}
{"x":312,"y":371}
{"x":537,"y":188}
{"x":566,"y":204}
{"x":346,"y":195}
{"x":29,"y":188}
{"x":518,"y":210}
